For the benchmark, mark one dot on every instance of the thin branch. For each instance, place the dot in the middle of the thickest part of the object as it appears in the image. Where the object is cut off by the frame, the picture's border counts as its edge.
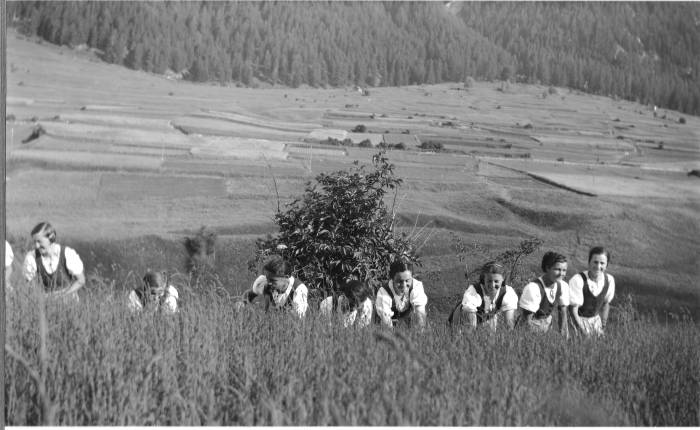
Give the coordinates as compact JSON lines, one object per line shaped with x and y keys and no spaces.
{"x":274,"y":181}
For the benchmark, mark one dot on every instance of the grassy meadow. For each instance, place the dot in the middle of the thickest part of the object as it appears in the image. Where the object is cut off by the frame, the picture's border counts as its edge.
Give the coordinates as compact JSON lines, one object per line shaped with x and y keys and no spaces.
{"x":129,"y":163}
{"x":209,"y":366}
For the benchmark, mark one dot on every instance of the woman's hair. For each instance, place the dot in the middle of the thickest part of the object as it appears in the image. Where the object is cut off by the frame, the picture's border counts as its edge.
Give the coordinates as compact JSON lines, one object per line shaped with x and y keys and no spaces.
{"x":598,"y":250}
{"x":551,"y":258}
{"x":153,"y":279}
{"x":399,"y":266}
{"x":493,"y":268}
{"x":356,"y":292}
{"x":277,"y":266}
{"x":47,"y":229}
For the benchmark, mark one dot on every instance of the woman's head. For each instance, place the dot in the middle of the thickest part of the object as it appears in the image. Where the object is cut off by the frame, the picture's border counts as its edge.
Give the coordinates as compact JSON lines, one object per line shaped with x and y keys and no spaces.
{"x":43,"y":235}
{"x":356,"y":292}
{"x":401,"y":273}
{"x":492,"y":276}
{"x":554,"y":266}
{"x":598,"y":260}
{"x":277,"y":271}
{"x":154,"y":284}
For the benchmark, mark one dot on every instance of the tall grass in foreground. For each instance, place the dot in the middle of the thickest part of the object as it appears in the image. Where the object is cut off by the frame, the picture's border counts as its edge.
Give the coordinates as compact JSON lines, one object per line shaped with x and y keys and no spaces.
{"x":208,"y":365}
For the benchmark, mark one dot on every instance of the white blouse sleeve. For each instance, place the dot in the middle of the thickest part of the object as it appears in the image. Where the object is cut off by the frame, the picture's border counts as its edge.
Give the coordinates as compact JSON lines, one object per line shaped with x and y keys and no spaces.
{"x":576,"y":290}
{"x":171,"y":297}
{"x":133,"y":301}
{"x":365,"y":313}
{"x":9,"y":256}
{"x":611,"y":289}
{"x":510,"y":300}
{"x":471,"y":299}
{"x":29,"y":266}
{"x":73,"y":262}
{"x":383,"y":306}
{"x":259,"y":284}
{"x":299,"y":301}
{"x":564,"y":298}
{"x":531,"y":298}
{"x":326,"y":306}
{"x":418,"y":297}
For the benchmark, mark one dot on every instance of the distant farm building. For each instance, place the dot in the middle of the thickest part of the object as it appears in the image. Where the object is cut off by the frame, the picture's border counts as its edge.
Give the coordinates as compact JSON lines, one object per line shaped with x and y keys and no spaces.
{"x":322,"y":134}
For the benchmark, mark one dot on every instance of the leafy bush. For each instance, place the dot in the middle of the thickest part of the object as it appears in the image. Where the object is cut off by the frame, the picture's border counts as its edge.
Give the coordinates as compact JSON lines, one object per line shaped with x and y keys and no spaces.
{"x":432,"y":146}
{"x":360,"y":128}
{"x":341,"y":227}
{"x":681,"y":120}
{"x":365,"y":144}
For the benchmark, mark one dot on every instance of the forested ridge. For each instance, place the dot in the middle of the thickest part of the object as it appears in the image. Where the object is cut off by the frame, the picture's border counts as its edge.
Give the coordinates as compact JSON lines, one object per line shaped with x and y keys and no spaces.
{"x":643,"y":51}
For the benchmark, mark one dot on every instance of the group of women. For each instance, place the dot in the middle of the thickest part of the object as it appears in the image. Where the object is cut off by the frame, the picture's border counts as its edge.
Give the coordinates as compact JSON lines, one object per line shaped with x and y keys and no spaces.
{"x":585,"y":298}
{"x":402,"y":300}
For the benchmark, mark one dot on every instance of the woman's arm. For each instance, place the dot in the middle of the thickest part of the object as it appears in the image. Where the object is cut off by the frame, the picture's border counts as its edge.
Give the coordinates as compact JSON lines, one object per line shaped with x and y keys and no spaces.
{"x":573,"y":311}
{"x":563,"y":322}
{"x":78,"y":283}
{"x":421,"y":316}
{"x":510,"y":318}
{"x":604,"y":314}
{"x":471,"y":318}
{"x":382,"y":306}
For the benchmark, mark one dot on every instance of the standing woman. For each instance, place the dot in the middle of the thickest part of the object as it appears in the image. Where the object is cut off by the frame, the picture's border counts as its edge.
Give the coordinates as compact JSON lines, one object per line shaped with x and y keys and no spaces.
{"x":402,"y":298}
{"x":541,"y":296}
{"x":591,"y":293}
{"x":490,"y":297}
{"x":58,"y":269}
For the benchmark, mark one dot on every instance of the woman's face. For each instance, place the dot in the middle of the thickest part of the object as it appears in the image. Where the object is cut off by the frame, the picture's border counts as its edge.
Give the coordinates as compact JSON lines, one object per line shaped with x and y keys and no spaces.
{"x":556,"y":273}
{"x":402,"y":281}
{"x":42,"y":243}
{"x":597,"y":265}
{"x":492,"y":282}
{"x":277,"y":283}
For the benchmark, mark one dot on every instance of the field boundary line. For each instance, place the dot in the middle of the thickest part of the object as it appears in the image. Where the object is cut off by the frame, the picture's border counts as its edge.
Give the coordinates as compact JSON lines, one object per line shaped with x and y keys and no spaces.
{"x":542,"y":179}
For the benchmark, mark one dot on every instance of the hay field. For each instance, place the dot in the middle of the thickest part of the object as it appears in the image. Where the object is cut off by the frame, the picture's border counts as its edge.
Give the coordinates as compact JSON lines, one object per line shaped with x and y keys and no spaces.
{"x":210,"y":155}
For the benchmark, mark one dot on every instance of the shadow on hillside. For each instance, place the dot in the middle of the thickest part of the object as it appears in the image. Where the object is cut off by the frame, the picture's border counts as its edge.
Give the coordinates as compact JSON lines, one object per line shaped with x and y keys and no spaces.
{"x":551,"y":219}
{"x":408,"y":220}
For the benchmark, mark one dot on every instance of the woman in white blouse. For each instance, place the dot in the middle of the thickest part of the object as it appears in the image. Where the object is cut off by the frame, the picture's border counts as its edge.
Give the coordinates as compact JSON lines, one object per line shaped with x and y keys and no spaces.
{"x":354,"y":304}
{"x":57,"y":269}
{"x":403,"y":298}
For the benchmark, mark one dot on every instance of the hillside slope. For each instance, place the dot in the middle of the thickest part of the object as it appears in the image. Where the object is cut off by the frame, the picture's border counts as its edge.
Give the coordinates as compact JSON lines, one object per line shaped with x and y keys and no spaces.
{"x":116,"y":176}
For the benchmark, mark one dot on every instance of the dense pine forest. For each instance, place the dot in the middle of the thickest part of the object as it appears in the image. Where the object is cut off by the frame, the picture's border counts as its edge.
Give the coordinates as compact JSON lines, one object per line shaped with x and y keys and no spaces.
{"x":648,"y":52}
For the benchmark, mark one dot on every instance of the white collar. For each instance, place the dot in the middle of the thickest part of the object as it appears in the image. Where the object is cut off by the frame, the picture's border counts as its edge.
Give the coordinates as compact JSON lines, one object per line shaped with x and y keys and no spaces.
{"x":54,"y":252}
{"x":391,"y":285}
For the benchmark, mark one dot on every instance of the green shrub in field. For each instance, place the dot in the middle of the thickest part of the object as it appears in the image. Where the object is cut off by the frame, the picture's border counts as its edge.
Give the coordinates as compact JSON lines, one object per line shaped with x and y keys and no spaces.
{"x":432,"y":146}
{"x":342,"y":227}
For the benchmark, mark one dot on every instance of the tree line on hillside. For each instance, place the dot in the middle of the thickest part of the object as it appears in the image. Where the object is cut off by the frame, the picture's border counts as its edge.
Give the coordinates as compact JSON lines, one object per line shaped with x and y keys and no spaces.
{"x":639,"y":51}
{"x":647,"y":52}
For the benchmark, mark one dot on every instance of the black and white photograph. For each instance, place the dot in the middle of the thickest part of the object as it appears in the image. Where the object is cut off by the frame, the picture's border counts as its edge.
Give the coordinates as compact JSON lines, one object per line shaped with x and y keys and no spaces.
{"x":351,"y":213}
